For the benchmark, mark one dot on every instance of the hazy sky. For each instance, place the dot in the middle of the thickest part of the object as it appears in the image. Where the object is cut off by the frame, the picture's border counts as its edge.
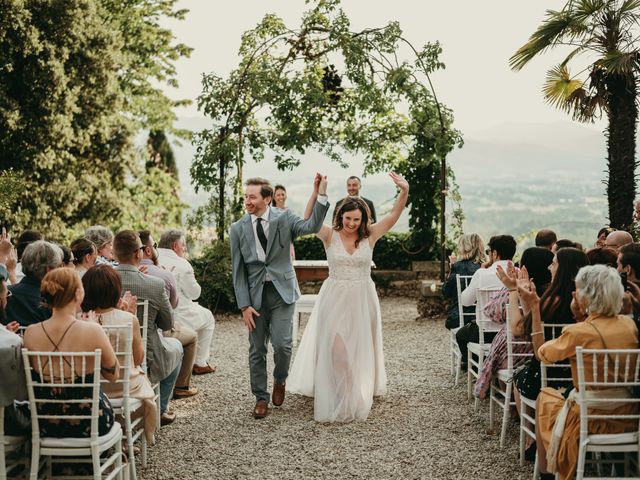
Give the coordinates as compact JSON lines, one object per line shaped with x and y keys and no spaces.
{"x":477,"y":40}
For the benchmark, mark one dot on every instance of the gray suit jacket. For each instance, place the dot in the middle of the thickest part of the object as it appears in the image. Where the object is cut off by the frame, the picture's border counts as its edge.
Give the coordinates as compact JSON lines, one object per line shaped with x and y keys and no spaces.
{"x":249,"y":273}
{"x":160,"y":362}
{"x":12,"y":379}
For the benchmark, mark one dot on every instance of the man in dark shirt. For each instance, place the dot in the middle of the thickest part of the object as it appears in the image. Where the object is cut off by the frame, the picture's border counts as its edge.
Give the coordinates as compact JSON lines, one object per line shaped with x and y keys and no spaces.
{"x":353,"y":190}
{"x":24,"y":304}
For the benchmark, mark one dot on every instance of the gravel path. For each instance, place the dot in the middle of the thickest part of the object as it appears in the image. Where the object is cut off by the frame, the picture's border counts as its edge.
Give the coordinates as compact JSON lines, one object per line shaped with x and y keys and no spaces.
{"x":423,"y":428}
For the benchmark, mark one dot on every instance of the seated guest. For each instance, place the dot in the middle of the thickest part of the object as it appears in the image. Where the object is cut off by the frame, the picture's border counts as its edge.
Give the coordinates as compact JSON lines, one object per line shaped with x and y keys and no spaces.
{"x":24,"y":306}
{"x":102,"y":238}
{"x":189,"y":313}
{"x":150,"y":261}
{"x":628,"y":261}
{"x":566,"y":243}
{"x":11,"y":372}
{"x":618,"y":239}
{"x":102,"y":291}
{"x":25,"y":238}
{"x":535,"y":261}
{"x":84,"y":255}
{"x":555,"y":307}
{"x":67,"y":257}
{"x":470,"y":257}
{"x":546,"y":239}
{"x":602,"y":236}
{"x":603,"y":256}
{"x":502,"y":248}
{"x":62,"y":291}
{"x":164,"y":354}
{"x":598,"y":292}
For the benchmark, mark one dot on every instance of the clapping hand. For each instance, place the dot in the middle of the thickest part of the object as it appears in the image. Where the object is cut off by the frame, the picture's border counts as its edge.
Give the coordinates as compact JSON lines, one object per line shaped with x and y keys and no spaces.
{"x":6,"y":246}
{"x":509,"y":278}
{"x":13,"y":326}
{"x":527,"y":293}
{"x":322,"y":183}
{"x":400,"y":182}
{"x":128,"y":303}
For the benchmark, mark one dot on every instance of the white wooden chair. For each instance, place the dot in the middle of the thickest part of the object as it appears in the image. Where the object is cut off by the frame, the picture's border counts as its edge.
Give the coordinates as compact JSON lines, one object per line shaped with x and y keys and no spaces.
{"x":108,"y":467}
{"x":456,"y":357}
{"x":143,"y":318}
{"x":620,"y":372}
{"x":480,"y":349}
{"x":121,"y":338}
{"x":304,"y":304}
{"x":554,"y":375}
{"x":11,"y":445}
{"x":502,"y":384}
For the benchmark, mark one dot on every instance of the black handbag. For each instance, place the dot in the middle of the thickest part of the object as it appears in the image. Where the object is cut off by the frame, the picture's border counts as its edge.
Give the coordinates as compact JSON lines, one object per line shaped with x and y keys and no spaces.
{"x":527,"y":379}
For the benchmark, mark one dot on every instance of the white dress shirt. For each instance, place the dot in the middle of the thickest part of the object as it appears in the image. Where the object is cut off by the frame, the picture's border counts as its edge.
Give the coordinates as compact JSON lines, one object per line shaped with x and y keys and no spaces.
{"x":483,"y":278}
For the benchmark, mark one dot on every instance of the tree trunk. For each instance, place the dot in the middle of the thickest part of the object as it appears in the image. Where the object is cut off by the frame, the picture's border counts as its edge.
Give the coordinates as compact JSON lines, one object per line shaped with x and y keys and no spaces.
{"x":220,"y":223}
{"x":621,"y":150}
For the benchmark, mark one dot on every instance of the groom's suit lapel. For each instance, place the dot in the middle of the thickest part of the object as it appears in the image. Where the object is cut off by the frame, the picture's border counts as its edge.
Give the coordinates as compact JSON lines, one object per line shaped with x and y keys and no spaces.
{"x":274,"y":216}
{"x":247,"y":228}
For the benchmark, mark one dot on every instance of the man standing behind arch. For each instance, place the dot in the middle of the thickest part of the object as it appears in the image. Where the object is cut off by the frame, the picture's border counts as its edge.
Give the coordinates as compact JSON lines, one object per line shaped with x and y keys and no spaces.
{"x":353,"y":190}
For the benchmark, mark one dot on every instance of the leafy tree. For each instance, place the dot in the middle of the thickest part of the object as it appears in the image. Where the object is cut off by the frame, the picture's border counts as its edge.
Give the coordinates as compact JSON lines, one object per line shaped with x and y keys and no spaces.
{"x":605,"y":31}
{"x":160,"y":152}
{"x":325,"y":87}
{"x":69,"y":110}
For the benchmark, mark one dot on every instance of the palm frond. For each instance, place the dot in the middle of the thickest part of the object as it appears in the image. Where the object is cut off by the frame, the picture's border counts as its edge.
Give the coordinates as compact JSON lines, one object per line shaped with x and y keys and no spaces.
{"x":559,"y":86}
{"x":619,"y":63}
{"x":556,"y":26}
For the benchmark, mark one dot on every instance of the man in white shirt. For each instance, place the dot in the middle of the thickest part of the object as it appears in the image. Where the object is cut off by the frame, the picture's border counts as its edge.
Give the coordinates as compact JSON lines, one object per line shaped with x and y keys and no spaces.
{"x":502,"y":248}
{"x":171,"y":252}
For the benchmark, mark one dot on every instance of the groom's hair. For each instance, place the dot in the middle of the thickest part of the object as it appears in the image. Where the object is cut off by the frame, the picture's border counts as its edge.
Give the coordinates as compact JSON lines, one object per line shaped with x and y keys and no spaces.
{"x":266,"y":190}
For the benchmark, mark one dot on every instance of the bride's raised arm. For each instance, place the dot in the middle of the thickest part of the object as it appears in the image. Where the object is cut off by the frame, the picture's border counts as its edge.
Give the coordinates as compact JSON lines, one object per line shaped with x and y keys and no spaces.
{"x":377,"y":230}
{"x":325,"y":232}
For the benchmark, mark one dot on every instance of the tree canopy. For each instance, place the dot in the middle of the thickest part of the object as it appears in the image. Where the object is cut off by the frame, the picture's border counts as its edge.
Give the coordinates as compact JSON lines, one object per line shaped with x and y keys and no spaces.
{"x":75,"y":88}
{"x":322,"y":86}
{"x":605,"y":32}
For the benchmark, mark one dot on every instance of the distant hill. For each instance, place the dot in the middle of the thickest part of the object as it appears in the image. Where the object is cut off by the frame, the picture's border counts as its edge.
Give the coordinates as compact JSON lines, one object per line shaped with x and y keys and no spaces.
{"x":513,"y":178}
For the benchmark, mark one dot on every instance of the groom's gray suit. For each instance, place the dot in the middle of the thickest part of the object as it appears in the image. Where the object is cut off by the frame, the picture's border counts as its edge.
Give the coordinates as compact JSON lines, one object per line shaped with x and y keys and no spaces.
{"x":270,"y":287}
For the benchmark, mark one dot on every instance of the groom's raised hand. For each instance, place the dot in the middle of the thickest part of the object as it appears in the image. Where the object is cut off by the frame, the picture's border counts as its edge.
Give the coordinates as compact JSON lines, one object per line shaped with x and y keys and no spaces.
{"x":247,"y":316}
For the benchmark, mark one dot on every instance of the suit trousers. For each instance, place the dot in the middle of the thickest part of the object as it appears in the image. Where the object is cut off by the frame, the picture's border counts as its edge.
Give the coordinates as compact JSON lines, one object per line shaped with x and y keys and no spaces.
{"x":189,"y":340}
{"x":275,"y":323}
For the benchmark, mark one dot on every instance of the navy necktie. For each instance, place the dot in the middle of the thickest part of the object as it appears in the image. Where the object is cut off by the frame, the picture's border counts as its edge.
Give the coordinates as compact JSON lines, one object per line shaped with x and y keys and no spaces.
{"x":261,"y":236}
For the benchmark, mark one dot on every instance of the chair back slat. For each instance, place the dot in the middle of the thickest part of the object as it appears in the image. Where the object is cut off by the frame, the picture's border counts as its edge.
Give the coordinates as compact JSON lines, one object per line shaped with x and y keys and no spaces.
{"x":512,"y":356}
{"x":142,"y":313}
{"x":485,"y":324}
{"x":121,"y":339}
{"x":554,"y":374}
{"x":462,"y":282}
{"x":601,"y":394}
{"x":39,"y":383}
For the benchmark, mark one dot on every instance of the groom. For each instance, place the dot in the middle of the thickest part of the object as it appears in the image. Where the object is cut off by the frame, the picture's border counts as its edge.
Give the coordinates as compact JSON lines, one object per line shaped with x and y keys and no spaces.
{"x":265,"y":282}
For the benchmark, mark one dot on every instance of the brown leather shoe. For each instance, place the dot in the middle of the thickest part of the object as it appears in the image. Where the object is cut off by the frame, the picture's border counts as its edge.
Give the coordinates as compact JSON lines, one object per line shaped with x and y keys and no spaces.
{"x":261,"y":409}
{"x":198,"y":370}
{"x":277,"y":397}
{"x":167,"y":418}
{"x":184,"y":392}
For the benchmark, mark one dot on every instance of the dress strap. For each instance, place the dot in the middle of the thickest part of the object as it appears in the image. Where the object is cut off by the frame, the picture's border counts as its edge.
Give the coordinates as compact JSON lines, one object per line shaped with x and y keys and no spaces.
{"x":57,"y":345}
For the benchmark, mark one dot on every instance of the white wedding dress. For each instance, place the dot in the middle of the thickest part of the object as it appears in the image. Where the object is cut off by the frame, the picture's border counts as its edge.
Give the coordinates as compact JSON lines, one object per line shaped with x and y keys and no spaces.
{"x":339,"y":361}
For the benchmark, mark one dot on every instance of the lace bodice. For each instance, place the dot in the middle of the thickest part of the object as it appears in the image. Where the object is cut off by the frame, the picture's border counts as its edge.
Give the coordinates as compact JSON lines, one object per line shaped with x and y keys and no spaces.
{"x":342,"y":266}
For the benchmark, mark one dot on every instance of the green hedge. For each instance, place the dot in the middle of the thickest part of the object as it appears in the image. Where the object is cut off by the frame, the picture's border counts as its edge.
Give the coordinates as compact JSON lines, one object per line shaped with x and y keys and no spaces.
{"x":213,"y":267}
{"x":213,"y":272}
{"x":389,"y":252}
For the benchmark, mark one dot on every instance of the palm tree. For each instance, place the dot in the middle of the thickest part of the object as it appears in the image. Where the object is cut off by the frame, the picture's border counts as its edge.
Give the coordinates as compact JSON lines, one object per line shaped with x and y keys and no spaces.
{"x":602,"y":33}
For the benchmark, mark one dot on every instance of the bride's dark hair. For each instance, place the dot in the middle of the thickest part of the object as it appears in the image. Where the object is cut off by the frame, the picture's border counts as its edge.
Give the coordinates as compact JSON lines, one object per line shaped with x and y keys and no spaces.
{"x":348,"y":205}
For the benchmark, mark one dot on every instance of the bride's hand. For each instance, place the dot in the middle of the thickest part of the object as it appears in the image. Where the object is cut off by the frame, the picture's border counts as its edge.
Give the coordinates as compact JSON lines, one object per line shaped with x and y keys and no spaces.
{"x":400,"y":182}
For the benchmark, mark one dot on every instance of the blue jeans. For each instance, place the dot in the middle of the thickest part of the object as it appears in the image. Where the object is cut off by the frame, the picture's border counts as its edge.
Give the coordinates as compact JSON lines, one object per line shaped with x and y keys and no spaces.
{"x":166,"y":388}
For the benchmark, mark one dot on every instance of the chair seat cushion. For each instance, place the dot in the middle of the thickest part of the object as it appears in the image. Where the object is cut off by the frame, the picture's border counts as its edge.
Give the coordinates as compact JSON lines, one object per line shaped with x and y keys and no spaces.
{"x":613,"y":438}
{"x":13,"y":440}
{"x":504,"y":375}
{"x":73,"y":442}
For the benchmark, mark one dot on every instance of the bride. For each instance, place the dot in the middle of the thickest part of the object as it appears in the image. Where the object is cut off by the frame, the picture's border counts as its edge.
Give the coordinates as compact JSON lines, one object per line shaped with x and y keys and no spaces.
{"x":340,"y":361}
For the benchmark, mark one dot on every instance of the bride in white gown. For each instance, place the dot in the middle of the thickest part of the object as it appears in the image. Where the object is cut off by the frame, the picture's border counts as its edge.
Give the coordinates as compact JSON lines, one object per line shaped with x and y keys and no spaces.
{"x":340,"y":361}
